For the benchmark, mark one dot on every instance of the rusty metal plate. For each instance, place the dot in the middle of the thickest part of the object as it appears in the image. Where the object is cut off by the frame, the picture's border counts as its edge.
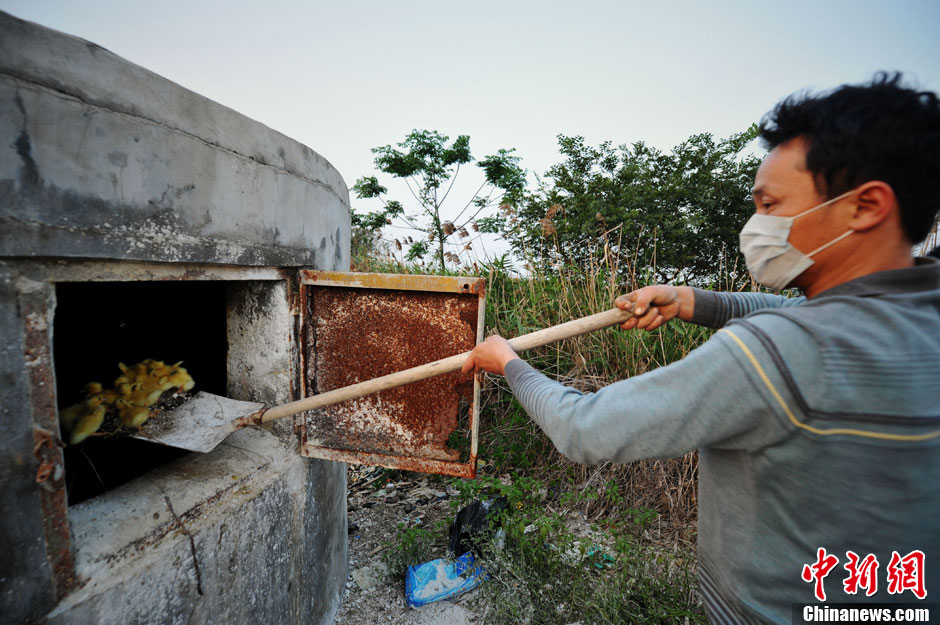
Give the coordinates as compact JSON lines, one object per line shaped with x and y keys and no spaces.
{"x":361,"y":326}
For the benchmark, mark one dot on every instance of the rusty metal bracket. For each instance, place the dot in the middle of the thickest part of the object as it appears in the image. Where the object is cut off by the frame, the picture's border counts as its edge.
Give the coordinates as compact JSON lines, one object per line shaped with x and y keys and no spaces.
{"x":47,"y":446}
{"x":50,"y":465}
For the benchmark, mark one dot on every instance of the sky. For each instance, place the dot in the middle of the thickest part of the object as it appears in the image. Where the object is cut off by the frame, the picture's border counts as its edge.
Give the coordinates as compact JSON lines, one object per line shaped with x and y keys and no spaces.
{"x":345,"y":77}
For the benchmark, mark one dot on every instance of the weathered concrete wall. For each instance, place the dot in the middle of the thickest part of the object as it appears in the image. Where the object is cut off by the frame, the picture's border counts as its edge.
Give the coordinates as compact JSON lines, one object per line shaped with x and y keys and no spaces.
{"x":101,"y":160}
{"x":247,"y":508}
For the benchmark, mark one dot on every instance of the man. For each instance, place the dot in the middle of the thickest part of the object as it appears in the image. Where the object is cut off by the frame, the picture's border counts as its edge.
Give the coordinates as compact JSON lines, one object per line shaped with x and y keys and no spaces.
{"x":817,"y":418}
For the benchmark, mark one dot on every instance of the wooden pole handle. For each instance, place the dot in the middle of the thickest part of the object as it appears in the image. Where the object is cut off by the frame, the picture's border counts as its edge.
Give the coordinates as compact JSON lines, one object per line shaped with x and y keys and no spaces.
{"x":567,"y":330}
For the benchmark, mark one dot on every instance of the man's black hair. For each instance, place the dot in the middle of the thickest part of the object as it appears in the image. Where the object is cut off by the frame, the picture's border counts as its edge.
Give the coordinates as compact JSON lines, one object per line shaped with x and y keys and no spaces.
{"x":882,"y":130}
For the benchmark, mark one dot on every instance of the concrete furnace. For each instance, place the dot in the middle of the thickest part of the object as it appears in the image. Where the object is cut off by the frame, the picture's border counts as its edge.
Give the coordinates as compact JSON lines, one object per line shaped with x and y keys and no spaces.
{"x":139,"y":219}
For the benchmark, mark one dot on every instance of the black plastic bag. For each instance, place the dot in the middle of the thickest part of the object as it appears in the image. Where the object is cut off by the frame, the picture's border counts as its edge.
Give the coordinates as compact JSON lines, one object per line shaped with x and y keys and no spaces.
{"x":472,"y":524}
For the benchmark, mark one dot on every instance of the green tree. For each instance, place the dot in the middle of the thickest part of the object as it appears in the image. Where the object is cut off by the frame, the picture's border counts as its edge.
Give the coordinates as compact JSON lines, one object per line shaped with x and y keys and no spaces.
{"x":426,"y":163}
{"x":676,"y":215}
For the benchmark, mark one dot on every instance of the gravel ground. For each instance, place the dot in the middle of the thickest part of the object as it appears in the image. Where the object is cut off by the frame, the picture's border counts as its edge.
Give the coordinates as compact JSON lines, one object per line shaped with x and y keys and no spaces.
{"x":371,"y":597}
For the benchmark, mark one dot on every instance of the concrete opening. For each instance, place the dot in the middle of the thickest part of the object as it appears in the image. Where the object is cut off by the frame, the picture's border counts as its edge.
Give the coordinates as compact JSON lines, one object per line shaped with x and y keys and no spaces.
{"x":99,"y":324}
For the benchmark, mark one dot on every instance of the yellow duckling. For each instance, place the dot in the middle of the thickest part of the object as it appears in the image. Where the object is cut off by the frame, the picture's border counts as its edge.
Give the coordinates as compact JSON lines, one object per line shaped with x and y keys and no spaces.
{"x":142,"y":385}
{"x":139,"y":387}
{"x":88,"y":425}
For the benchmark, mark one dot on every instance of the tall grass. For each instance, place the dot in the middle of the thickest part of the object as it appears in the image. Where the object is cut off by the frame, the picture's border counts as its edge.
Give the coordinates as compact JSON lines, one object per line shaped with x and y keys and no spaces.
{"x":517,"y":305}
{"x":643,"y":514}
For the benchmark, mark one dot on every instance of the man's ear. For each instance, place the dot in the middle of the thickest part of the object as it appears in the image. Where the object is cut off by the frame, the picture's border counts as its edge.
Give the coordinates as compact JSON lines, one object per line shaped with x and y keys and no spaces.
{"x":875,"y":203}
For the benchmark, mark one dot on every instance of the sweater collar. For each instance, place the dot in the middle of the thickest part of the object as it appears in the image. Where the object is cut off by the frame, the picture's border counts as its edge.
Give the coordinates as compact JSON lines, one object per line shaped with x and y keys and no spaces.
{"x":923,"y":276}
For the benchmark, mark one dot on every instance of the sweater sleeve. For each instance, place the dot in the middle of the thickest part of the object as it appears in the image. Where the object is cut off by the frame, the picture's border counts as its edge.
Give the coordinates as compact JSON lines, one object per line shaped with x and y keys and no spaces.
{"x":714,"y":309}
{"x":707,"y":399}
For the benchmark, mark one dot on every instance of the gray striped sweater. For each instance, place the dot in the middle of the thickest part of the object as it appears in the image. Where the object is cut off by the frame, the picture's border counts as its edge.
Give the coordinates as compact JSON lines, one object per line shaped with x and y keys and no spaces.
{"x":818,"y":426}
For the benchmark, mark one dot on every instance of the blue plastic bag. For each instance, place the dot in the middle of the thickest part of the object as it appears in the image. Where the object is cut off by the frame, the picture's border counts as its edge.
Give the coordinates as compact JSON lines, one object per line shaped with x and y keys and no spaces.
{"x":440,"y":579}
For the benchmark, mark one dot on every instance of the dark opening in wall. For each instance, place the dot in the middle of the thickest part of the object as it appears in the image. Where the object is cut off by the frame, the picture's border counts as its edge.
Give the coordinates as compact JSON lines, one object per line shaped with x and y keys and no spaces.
{"x":99,"y":324}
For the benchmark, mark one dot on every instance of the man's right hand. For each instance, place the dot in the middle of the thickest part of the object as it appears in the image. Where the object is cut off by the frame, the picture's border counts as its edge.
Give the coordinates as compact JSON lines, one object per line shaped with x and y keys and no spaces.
{"x":491,"y":356}
{"x":653,"y":306}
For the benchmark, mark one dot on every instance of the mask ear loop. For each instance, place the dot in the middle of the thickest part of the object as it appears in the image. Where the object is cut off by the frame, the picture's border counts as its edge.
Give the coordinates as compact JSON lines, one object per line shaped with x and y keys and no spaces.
{"x":841,"y":236}
{"x":826,"y":203}
{"x":833,"y":242}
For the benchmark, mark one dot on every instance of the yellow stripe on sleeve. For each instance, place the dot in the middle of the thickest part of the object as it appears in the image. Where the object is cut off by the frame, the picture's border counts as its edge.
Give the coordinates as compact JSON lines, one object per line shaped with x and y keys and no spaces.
{"x":814,"y":430}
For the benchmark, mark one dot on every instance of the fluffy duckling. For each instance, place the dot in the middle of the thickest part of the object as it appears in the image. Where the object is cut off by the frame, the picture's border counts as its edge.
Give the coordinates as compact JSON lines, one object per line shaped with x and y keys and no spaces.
{"x":84,"y":418}
{"x":141,"y":386}
{"x":135,"y":391}
{"x":88,"y":425}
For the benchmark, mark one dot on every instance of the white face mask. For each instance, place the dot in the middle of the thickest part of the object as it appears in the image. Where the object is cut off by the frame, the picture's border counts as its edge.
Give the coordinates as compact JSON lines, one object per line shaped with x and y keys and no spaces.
{"x":770,"y":257}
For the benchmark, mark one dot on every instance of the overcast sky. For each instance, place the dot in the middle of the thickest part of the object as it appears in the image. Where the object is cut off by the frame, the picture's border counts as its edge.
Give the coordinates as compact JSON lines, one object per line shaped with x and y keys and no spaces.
{"x":344,"y":77}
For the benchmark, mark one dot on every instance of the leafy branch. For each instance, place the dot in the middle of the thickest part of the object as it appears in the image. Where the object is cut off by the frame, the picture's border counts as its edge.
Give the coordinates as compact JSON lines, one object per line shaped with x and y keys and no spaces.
{"x":425,"y":163}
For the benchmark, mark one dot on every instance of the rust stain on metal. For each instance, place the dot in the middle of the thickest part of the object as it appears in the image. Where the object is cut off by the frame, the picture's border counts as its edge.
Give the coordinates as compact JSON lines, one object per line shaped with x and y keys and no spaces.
{"x":363,"y":335}
{"x":289,"y":276}
{"x":479,"y":288}
{"x":420,"y":465}
{"x":47,"y":446}
{"x":359,"y":333}
{"x":50,"y":470}
{"x":295,"y":307}
{"x":400,"y":282}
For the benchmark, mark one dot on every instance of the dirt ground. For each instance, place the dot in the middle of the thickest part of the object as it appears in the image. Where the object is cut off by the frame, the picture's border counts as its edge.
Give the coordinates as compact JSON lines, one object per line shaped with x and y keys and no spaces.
{"x":370,"y":596}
